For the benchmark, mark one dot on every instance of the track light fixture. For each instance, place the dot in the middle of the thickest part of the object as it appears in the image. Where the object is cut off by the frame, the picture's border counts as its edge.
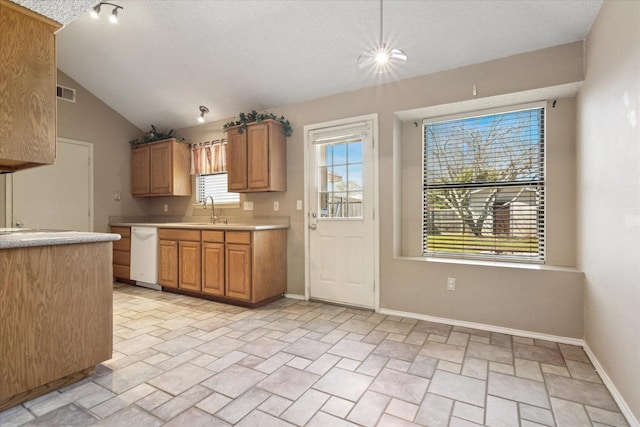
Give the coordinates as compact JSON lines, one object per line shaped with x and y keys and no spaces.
{"x":95,"y":13}
{"x":203,"y":110}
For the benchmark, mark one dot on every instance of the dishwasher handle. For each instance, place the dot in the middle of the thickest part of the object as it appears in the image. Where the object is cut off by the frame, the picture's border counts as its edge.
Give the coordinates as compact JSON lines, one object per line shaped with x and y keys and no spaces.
{"x":144,"y":233}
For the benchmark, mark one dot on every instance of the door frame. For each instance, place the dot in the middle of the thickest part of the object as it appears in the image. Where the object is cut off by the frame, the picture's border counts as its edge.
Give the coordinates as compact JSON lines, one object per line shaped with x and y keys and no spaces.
{"x":376,"y":225}
{"x":9,"y":186}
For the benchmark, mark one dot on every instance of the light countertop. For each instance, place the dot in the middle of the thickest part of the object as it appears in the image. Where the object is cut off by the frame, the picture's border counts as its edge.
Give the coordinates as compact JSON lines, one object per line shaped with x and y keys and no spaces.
{"x":203,"y":223}
{"x":22,"y":238}
{"x":202,"y":226}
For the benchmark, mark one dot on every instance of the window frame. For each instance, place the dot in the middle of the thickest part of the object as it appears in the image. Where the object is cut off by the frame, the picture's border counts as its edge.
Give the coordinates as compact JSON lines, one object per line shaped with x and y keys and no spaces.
{"x":228,"y":204}
{"x":540,"y":186}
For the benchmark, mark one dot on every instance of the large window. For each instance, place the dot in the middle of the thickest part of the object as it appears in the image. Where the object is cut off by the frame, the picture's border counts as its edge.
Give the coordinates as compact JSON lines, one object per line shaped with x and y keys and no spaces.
{"x":483,"y":181}
{"x":215,"y":185}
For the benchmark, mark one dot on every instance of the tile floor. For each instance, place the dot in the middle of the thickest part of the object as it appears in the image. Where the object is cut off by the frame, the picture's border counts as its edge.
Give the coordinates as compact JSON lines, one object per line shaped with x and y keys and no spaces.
{"x":180,"y":361}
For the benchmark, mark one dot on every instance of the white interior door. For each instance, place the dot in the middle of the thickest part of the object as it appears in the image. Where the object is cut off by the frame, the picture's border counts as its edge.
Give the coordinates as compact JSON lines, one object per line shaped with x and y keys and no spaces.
{"x":58,"y":196}
{"x":341,"y":214}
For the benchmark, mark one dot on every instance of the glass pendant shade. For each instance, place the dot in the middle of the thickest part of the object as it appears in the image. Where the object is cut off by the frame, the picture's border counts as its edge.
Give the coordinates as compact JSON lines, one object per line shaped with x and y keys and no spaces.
{"x":383,"y":57}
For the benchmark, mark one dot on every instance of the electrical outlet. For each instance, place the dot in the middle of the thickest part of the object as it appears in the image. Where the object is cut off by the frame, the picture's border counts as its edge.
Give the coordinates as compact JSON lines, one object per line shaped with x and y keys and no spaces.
{"x":451,"y":284}
{"x":248,"y":206}
{"x":117,"y":196}
{"x":165,"y":207}
{"x":276,"y":206}
{"x":299,"y":205}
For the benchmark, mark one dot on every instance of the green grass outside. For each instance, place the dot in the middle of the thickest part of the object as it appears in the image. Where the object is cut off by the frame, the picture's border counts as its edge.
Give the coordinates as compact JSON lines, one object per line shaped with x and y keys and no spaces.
{"x":473,"y":244}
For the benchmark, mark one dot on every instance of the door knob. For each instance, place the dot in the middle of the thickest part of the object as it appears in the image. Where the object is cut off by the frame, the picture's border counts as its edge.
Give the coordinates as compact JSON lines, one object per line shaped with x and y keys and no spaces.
{"x":313,"y":226}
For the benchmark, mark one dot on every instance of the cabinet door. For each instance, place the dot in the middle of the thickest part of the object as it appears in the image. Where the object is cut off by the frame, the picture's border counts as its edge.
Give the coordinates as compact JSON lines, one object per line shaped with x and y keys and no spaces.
{"x":168,"y":263}
{"x":213,"y":268}
{"x":238,"y":269}
{"x":258,"y":157}
{"x":160,"y":165}
{"x":140,"y":171}
{"x":189,"y":265}
{"x":237,"y":160}
{"x":27,"y":89}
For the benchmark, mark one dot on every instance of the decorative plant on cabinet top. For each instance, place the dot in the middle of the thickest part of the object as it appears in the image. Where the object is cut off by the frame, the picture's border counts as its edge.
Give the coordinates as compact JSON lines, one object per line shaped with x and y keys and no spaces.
{"x":153,"y":135}
{"x":245,"y":118}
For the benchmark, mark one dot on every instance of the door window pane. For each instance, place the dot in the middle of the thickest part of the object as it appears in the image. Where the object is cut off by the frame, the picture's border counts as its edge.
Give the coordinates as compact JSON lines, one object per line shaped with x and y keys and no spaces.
{"x":340,"y":179}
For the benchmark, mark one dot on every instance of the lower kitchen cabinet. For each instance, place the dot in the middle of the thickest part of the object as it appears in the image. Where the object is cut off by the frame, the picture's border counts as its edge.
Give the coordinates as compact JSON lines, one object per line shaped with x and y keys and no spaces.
{"x":256,"y":265}
{"x":246,"y":267}
{"x":238,"y":267}
{"x":213,"y":262}
{"x":179,"y":258}
{"x":168,"y":263}
{"x":122,"y":253}
{"x":189,"y":266}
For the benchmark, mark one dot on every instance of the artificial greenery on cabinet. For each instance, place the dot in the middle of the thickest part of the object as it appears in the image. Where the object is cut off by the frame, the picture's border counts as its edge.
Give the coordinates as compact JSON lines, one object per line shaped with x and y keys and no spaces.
{"x":244,"y":119}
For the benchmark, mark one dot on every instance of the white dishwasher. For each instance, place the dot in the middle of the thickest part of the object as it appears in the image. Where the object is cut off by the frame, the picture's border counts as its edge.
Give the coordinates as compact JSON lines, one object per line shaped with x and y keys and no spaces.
{"x":144,"y":257}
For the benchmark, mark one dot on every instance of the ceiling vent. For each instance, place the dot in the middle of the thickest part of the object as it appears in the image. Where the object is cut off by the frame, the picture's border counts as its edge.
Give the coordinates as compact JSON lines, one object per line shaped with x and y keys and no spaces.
{"x":66,"y":93}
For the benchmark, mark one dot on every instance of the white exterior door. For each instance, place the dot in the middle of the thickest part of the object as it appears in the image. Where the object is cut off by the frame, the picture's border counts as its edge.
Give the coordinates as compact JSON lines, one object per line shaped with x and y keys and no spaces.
{"x":341,"y":214}
{"x":58,"y":196}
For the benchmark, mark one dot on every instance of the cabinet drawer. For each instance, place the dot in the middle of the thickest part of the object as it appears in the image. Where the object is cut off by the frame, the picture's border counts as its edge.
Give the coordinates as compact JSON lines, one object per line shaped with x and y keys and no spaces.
{"x":121,"y":257}
{"x":178,"y":234}
{"x":213,"y":236}
{"x":242,"y":237}
{"x":123,"y":244}
{"x":122,"y":231}
{"x":121,"y":271}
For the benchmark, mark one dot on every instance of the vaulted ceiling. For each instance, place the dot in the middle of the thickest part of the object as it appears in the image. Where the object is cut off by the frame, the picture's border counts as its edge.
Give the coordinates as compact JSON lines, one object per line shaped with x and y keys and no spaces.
{"x":165,"y":58}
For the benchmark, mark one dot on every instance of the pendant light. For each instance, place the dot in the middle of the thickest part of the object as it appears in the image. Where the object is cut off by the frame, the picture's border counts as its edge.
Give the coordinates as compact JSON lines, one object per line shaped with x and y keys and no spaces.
{"x":383,"y":57}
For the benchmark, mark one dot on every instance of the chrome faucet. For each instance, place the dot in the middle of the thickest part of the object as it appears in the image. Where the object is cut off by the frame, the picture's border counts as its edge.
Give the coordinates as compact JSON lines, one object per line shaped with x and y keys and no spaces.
{"x":213,"y":208}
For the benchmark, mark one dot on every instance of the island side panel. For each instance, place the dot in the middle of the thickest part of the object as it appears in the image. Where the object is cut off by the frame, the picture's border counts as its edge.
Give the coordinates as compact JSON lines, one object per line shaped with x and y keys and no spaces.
{"x":56,"y":314}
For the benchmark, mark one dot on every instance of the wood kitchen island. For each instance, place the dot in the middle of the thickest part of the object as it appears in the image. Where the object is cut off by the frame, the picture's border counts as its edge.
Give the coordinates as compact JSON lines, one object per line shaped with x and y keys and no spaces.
{"x":56,"y":310}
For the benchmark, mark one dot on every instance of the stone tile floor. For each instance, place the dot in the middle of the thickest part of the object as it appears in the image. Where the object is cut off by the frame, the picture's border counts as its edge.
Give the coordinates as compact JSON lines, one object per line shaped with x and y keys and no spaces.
{"x":180,"y":361}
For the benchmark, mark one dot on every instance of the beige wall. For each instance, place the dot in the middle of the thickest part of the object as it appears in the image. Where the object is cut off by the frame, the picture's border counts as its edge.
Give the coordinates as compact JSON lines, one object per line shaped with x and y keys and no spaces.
{"x":609,"y":195}
{"x":91,"y":120}
{"x":546,"y":300}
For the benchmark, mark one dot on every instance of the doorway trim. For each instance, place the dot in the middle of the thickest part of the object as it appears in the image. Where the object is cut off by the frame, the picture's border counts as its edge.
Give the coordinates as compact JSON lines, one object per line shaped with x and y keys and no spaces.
{"x":9,"y":186}
{"x":376,"y":224}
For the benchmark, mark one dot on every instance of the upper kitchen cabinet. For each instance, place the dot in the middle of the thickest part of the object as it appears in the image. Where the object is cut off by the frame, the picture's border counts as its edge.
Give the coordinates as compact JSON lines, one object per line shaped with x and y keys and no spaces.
{"x":256,"y":157}
{"x":161,"y":168}
{"x":27,"y":88}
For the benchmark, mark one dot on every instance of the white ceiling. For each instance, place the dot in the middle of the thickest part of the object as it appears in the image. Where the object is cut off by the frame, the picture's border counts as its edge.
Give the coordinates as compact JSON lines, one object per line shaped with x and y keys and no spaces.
{"x":165,"y":58}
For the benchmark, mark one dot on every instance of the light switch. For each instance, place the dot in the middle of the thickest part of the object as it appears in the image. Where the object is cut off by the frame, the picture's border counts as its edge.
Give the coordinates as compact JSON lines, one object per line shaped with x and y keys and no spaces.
{"x":116,"y":195}
{"x":248,"y":206}
{"x":299,"y":205}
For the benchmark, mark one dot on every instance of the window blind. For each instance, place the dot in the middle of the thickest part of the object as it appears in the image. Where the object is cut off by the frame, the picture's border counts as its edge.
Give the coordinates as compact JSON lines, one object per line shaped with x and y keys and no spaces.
{"x":215,"y":185}
{"x":484,"y":186}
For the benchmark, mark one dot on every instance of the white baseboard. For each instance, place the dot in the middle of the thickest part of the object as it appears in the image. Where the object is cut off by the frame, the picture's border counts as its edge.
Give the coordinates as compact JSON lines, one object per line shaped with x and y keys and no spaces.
{"x":295,"y":296}
{"x":485,"y":327}
{"x":626,"y":411}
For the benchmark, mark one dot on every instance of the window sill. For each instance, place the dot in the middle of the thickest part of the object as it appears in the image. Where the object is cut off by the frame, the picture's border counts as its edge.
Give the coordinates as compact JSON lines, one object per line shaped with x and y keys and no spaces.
{"x":483,"y":263}
{"x":198,"y":206}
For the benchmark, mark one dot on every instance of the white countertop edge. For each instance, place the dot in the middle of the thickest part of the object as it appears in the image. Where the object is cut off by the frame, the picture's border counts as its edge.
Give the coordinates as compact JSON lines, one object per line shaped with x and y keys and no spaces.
{"x":204,"y":226}
{"x":27,"y":240}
